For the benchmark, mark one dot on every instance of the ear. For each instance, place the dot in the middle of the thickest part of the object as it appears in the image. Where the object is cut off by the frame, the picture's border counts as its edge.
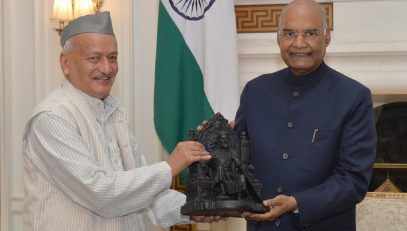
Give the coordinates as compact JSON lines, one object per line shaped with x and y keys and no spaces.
{"x":63,"y":62}
{"x":328,"y":37}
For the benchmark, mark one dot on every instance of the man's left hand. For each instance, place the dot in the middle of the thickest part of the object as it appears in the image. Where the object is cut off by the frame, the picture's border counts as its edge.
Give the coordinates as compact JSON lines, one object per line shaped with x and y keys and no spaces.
{"x":278,"y":206}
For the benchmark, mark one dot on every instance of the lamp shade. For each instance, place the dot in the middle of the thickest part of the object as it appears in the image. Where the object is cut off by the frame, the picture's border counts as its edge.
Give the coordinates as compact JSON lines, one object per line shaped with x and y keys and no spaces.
{"x":62,"y":10}
{"x":83,"y":7}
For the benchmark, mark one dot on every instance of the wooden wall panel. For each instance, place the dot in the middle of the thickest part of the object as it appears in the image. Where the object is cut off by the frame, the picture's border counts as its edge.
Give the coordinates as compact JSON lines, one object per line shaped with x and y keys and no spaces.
{"x":183,"y":228}
{"x":265,"y":18}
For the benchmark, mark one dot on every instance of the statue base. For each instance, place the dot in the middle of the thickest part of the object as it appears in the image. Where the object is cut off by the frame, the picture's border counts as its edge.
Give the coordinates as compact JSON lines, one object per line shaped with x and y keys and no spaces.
{"x":227,"y":208}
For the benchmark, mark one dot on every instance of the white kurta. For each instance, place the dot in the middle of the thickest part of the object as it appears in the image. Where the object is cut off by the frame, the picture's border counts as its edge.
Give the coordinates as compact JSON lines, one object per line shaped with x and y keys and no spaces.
{"x":83,"y":169}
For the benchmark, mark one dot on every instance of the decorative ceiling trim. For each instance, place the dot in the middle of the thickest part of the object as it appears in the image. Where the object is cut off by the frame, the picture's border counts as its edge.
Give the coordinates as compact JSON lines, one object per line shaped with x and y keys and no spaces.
{"x":387,"y":195}
{"x":265,"y":18}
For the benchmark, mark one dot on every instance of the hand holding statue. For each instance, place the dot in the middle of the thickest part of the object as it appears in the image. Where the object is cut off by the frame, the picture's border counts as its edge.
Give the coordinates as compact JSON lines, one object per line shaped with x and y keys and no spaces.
{"x":186,"y":153}
{"x":278,"y":206}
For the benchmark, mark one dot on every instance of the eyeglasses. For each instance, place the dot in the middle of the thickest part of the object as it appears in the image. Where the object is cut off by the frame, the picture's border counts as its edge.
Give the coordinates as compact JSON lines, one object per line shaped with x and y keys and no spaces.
{"x":291,"y":35}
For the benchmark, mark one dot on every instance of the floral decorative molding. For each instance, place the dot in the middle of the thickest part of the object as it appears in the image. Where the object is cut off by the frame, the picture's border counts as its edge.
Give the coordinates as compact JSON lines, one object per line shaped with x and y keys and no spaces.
{"x":390,"y":195}
{"x":265,"y":18}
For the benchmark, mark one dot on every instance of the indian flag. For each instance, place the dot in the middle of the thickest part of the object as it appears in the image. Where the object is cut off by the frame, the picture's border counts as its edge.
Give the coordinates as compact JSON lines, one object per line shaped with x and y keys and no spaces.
{"x":196,"y":66}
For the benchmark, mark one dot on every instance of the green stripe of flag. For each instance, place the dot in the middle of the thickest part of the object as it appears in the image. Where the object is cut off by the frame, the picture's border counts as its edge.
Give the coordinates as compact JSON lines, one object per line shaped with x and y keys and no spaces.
{"x":180,"y":102}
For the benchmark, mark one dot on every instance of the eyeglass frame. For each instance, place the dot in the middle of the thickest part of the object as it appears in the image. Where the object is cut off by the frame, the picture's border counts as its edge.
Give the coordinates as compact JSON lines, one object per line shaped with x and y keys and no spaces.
{"x":307,"y":37}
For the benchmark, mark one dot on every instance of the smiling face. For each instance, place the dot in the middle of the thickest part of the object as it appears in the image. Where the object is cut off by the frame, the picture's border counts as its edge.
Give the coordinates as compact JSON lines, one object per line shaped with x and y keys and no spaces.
{"x":91,"y":63}
{"x":303,"y":55}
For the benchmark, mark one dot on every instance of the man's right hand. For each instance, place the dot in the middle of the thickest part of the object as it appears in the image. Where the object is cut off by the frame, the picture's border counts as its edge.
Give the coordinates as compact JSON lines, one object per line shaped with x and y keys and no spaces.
{"x":186,"y":153}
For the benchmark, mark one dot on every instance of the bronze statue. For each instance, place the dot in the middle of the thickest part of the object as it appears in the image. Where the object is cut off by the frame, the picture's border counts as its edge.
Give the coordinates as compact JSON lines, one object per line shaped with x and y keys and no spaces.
{"x":225,"y":185}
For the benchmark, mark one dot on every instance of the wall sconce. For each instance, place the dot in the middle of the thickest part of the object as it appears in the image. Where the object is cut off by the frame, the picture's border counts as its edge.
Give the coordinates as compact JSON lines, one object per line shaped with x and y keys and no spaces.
{"x":64,"y":11}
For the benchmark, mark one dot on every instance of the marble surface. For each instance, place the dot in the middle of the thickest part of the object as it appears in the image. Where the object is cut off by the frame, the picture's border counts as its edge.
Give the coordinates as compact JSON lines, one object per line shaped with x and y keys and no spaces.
{"x":378,"y":214}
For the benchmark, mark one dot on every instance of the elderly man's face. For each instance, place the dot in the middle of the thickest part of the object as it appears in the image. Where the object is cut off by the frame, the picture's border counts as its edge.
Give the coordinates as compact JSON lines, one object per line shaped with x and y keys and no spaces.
{"x":91,"y":65}
{"x":304,"y":51}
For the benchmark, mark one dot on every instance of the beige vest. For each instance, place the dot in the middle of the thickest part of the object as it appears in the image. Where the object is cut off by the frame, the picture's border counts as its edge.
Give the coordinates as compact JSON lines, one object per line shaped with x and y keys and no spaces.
{"x":59,"y":211}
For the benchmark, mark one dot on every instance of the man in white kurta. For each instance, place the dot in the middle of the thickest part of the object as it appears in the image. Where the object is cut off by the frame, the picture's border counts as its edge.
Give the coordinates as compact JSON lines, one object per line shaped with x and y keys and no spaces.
{"x":82,"y":166}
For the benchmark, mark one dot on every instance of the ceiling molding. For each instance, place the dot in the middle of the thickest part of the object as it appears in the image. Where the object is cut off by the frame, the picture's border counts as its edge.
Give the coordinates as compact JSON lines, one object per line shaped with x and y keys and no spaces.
{"x":265,"y":18}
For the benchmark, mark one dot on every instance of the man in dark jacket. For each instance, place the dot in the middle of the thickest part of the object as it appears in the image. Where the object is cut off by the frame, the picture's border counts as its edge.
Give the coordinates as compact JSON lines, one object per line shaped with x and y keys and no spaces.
{"x":311,"y":130}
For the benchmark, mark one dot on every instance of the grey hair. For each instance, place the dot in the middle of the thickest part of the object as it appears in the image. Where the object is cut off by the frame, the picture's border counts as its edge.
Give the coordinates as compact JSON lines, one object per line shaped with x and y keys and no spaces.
{"x":321,"y":9}
{"x":67,"y":46}
{"x":324,"y":16}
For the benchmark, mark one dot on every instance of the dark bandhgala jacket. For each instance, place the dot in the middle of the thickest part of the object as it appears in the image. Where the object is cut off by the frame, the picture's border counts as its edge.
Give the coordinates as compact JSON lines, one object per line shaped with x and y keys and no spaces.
{"x":312,"y":137}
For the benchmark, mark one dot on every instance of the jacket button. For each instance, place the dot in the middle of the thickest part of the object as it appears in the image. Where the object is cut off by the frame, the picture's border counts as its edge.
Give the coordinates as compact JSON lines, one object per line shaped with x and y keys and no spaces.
{"x":280,"y":189}
{"x":277,"y":222}
{"x":290,"y":124}
{"x":285,"y":156}
{"x":296,"y":94}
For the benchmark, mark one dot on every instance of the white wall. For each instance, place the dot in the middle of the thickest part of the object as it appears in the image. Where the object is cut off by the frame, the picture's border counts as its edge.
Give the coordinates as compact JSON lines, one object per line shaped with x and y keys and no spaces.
{"x":2,"y":204}
{"x":17,"y":70}
{"x":369,"y":43}
{"x":144,"y":31}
